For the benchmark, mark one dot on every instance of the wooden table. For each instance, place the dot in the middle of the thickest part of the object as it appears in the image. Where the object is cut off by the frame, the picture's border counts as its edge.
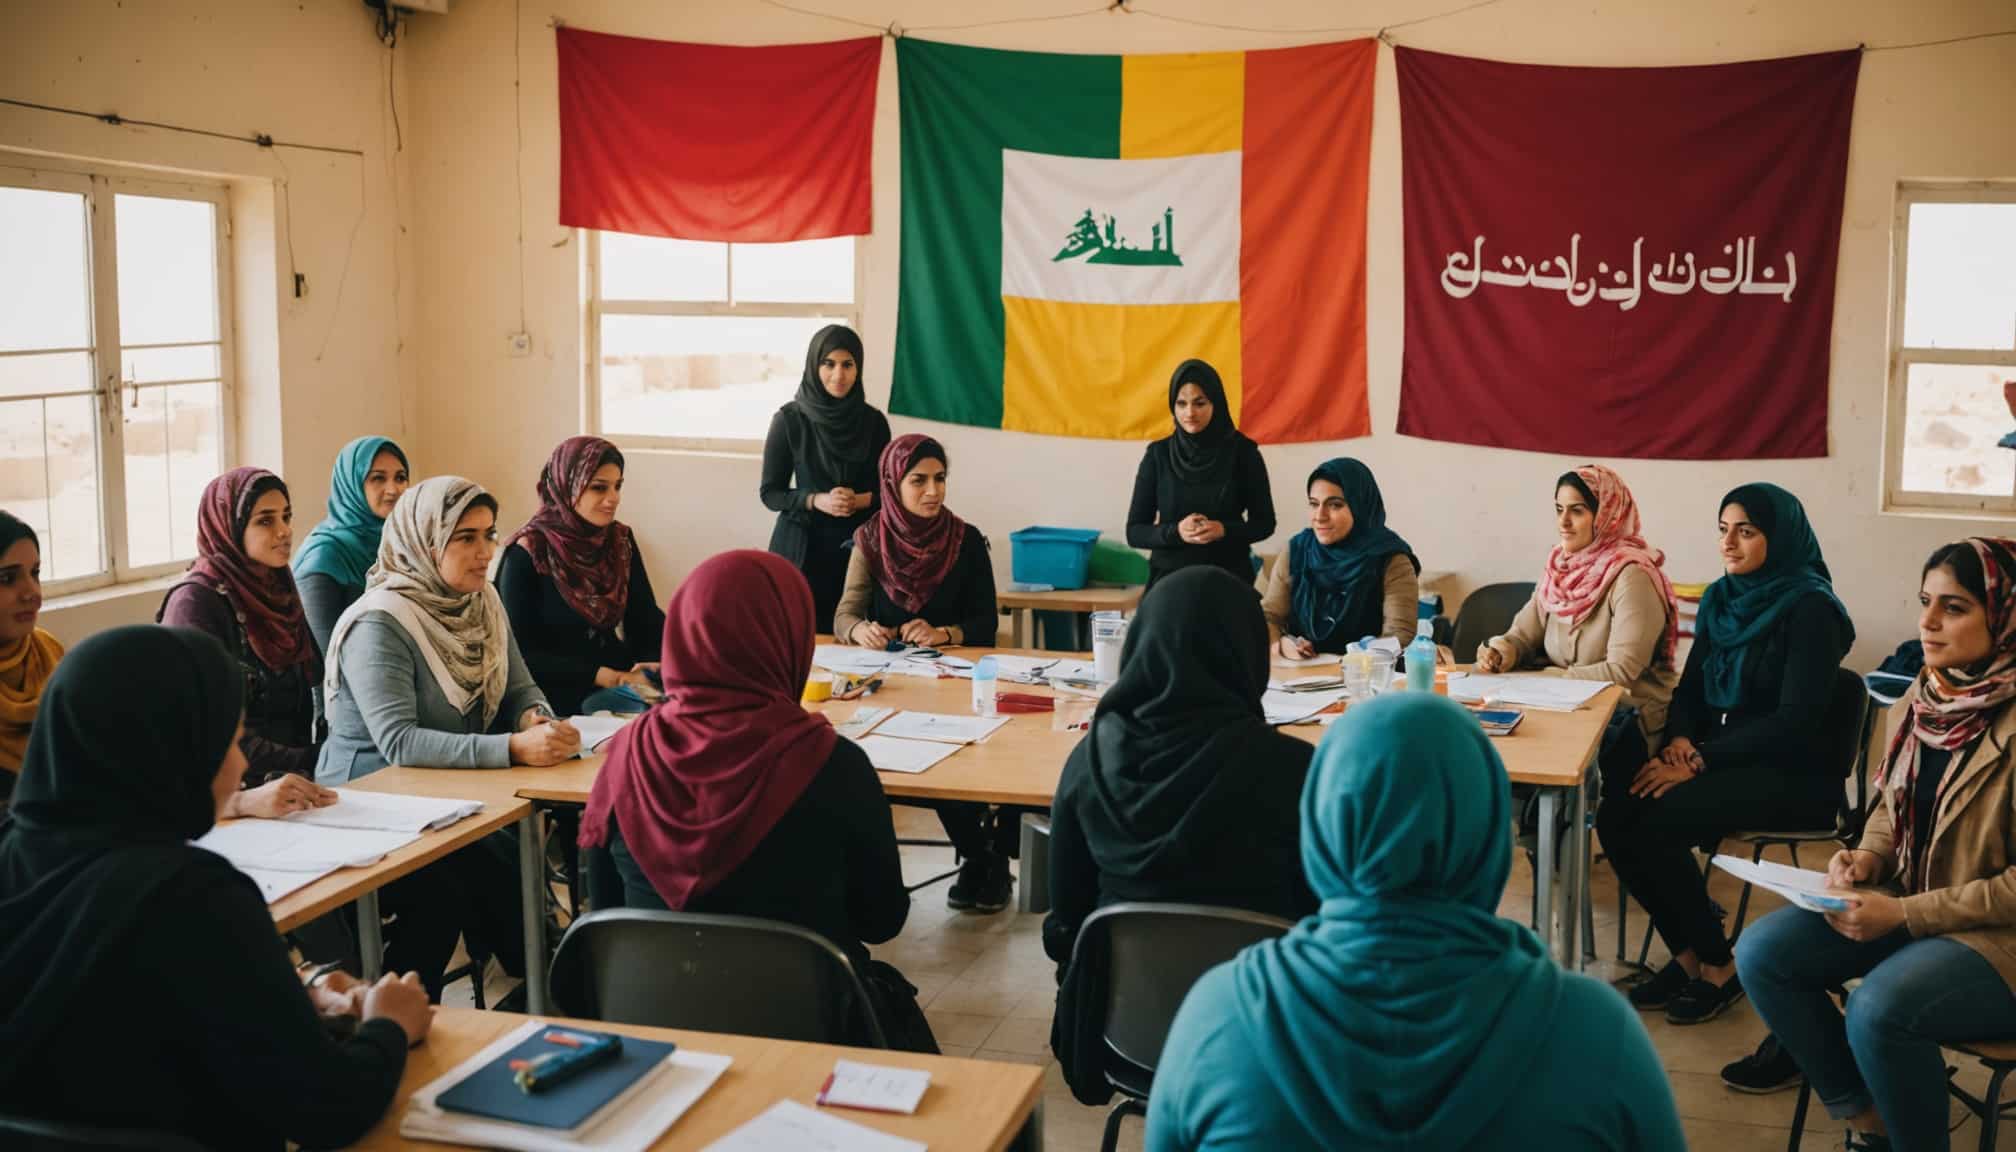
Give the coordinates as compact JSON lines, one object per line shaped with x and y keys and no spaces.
{"x":1022,"y":605}
{"x":971,"y":1104}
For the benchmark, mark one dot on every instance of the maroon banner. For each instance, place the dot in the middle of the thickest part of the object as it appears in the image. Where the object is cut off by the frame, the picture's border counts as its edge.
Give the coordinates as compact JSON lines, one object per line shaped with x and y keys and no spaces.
{"x":713,"y":142}
{"x":1622,"y":261}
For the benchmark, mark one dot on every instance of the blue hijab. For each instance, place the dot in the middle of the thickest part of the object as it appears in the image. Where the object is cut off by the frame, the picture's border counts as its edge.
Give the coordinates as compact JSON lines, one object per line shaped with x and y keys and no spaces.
{"x":1340,"y":589}
{"x":345,"y":544}
{"x":1403,"y":1014}
{"x":1738,"y":611}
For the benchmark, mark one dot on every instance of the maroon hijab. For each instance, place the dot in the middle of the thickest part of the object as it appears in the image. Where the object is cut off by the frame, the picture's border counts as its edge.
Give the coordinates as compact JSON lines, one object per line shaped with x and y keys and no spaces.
{"x":909,"y":555}
{"x":264,"y":598}
{"x":590,"y":565}
{"x":702,"y":778}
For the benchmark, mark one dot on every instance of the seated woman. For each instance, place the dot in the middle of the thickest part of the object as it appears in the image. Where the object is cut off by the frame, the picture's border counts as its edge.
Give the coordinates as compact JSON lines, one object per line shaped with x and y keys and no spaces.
{"x":28,"y":655}
{"x":146,"y":987}
{"x":423,"y":671}
{"x":920,"y":575}
{"x":329,"y":567}
{"x":1201,"y":495}
{"x":1181,"y":792}
{"x":731,"y":798}
{"x":1346,"y":576}
{"x":1407,"y":1013}
{"x":573,"y":583}
{"x":1938,"y":962}
{"x":1744,"y":742}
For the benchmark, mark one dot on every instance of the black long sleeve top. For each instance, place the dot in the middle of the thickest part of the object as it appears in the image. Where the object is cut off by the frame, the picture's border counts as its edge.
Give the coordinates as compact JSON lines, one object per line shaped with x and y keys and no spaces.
{"x":1243,"y":503}
{"x":791,"y":477}
{"x":1788,"y":682}
{"x":560,"y":647}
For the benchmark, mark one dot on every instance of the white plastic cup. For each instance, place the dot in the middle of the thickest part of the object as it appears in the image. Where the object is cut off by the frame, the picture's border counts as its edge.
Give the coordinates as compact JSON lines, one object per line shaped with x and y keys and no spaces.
{"x":1109,"y":635}
{"x":985,"y":677}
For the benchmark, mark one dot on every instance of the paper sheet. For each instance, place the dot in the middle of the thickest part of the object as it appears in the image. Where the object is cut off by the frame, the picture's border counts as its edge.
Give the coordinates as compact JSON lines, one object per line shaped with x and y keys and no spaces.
{"x":874,"y":1087}
{"x":277,"y":886}
{"x":1802,"y":886}
{"x":1318,"y":660}
{"x":387,"y":812}
{"x":863,"y":721}
{"x":842,"y":658}
{"x":792,"y":1127}
{"x":1295,"y":707}
{"x":284,"y":846}
{"x":595,"y":730}
{"x":1547,"y":693}
{"x":940,"y":726}
{"x":1039,"y":670}
{"x":910,"y":756}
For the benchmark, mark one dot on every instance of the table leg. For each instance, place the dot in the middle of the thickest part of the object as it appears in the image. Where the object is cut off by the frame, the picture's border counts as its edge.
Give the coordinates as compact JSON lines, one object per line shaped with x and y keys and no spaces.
{"x":1023,"y":624}
{"x":1033,"y":893}
{"x":370,"y":938}
{"x":532,"y":883}
{"x":1543,"y":867}
{"x":1577,"y":885}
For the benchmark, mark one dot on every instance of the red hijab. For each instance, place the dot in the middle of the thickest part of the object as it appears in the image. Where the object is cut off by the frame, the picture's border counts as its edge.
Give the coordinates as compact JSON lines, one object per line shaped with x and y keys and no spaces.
{"x":590,"y":565}
{"x":909,"y":555}
{"x":1575,"y":582}
{"x":268,"y":607}
{"x":701,"y":779}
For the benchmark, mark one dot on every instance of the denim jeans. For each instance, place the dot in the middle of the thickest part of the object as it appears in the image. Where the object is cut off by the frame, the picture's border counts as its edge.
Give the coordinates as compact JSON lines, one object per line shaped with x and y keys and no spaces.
{"x":620,"y":700}
{"x":1885,"y":1051}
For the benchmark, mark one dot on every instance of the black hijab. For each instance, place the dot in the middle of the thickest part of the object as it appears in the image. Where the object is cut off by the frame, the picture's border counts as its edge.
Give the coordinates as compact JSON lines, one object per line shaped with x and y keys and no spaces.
{"x":1205,"y":457}
{"x":104,"y":811}
{"x":841,"y":443}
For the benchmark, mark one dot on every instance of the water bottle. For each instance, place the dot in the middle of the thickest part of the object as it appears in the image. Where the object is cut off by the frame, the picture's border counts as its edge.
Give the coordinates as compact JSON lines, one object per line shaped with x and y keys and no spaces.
{"x":985,"y":676}
{"x":1421,"y":658}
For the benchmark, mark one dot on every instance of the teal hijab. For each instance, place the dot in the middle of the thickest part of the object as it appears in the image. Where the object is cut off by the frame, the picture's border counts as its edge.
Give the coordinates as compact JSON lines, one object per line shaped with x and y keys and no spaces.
{"x":1739,"y":611}
{"x":1404,"y":1013}
{"x":345,"y":544}
{"x":1340,"y":589}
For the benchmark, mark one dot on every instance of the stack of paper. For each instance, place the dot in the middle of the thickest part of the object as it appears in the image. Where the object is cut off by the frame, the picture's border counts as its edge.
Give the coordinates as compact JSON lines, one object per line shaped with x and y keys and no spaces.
{"x":1802,"y":886}
{"x":387,"y":812}
{"x":1547,"y":693}
{"x":1283,"y":707}
{"x":597,"y":730}
{"x":908,"y":756}
{"x":940,"y":726}
{"x":283,"y":856}
{"x":874,"y":1087}
{"x":789,"y":1126}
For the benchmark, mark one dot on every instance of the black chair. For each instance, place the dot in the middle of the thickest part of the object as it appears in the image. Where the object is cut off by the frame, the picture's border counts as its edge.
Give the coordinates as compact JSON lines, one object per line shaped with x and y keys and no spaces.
{"x":1998,"y":1058}
{"x":1487,"y":612}
{"x":29,"y":1135}
{"x":713,"y":974}
{"x":1152,"y":955}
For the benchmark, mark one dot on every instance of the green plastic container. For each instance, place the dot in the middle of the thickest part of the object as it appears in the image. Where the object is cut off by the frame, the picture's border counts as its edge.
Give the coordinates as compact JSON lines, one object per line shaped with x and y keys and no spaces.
{"x":1117,"y":564}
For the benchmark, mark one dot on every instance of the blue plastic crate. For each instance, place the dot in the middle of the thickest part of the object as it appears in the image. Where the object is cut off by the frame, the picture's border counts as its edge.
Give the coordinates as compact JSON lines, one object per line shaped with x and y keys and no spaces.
{"x":1059,"y":557}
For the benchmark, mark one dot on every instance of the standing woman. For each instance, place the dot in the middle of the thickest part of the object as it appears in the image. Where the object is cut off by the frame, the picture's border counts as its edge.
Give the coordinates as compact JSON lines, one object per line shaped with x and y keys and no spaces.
{"x":1347,"y":575}
{"x":819,"y":463}
{"x":330,"y":565}
{"x":28,"y":655}
{"x":1201,"y":495}
{"x":573,"y":583}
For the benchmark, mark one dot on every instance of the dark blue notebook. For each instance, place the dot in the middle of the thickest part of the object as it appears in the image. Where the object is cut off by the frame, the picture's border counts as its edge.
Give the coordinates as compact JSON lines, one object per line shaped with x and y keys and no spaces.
{"x":492,"y":1093}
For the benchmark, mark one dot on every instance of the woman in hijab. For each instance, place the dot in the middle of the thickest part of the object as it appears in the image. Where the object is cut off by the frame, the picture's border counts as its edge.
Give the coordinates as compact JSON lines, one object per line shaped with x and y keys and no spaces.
{"x":819,"y":466}
{"x":920,"y":575}
{"x":1201,"y":494}
{"x":1938,"y":962}
{"x":1346,"y":576}
{"x":1406,"y":1013}
{"x":1747,"y":742}
{"x":729,"y":797}
{"x":28,"y":655}
{"x":329,"y":567}
{"x":1181,"y":791}
{"x":573,"y":583}
{"x":145,"y":985}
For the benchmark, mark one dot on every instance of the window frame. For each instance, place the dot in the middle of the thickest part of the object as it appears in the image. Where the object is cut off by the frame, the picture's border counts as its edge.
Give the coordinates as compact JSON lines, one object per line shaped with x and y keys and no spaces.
{"x":1895,"y":497}
{"x":595,"y":308}
{"x":101,"y":185}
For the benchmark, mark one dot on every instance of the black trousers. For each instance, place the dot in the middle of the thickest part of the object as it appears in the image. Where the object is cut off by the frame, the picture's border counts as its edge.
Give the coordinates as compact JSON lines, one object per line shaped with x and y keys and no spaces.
{"x":981,"y":830}
{"x":473,"y":893}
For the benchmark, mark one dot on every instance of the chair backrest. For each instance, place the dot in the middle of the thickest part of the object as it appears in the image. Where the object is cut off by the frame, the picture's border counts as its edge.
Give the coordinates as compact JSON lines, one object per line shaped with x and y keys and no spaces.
{"x":714,"y":974}
{"x":1154,"y":954}
{"x":1487,"y":612}
{"x":1851,"y":716}
{"x":28,"y":1135}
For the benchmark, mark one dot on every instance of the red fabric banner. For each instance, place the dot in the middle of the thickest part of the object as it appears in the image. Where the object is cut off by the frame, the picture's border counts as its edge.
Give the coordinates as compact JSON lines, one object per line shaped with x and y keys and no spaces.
{"x":715,"y":142}
{"x":1622,"y":261}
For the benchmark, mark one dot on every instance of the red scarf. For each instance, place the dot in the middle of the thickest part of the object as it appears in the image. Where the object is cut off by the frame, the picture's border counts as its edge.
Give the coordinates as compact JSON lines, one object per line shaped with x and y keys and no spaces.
{"x":698,"y":782}
{"x":909,"y":555}
{"x":589,"y":565}
{"x":1576,"y":582}
{"x":268,"y":607}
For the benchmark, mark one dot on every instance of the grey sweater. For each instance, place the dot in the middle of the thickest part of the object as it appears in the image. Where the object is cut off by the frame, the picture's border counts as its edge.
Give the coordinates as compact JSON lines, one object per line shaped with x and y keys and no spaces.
{"x":389,"y":710}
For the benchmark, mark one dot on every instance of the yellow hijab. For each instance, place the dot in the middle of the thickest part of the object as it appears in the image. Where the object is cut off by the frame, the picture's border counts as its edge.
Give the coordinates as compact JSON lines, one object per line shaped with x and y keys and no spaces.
{"x":24,"y":669}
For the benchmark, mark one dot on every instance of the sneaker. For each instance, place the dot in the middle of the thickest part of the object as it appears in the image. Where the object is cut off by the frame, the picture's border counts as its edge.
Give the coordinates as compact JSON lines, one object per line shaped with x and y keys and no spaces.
{"x":1651,"y":994}
{"x":1703,"y":1000}
{"x":972,"y":882}
{"x":1865,"y":1142}
{"x":1769,"y":1069}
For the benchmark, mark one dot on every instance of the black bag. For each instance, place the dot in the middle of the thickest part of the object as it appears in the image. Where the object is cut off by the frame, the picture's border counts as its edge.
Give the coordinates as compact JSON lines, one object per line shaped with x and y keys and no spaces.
{"x":895,"y":1003}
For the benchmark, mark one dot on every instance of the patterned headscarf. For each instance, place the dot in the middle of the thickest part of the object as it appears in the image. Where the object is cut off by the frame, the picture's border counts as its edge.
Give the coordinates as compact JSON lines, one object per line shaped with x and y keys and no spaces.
{"x":268,"y":607}
{"x":1576,"y":582}
{"x":909,"y":555}
{"x":590,"y":565}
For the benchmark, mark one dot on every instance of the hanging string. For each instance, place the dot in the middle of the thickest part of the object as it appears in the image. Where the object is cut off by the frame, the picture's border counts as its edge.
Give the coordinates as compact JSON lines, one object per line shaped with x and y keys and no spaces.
{"x":1935,"y":43}
{"x":115,"y":119}
{"x":1116,"y":6}
{"x":1163,"y":16}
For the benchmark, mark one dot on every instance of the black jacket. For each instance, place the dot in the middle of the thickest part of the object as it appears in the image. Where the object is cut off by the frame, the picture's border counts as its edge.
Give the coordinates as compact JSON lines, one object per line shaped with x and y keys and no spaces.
{"x":790,"y":476}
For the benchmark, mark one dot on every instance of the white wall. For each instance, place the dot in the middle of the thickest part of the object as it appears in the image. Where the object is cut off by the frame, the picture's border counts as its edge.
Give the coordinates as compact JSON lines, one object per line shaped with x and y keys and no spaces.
{"x":311,"y":372}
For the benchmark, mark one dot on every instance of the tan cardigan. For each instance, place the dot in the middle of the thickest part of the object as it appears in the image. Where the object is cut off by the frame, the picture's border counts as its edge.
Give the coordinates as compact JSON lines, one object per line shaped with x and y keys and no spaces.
{"x":1970,"y":865}
{"x":1616,"y":642}
{"x":1402,"y":599}
{"x":857,"y":595}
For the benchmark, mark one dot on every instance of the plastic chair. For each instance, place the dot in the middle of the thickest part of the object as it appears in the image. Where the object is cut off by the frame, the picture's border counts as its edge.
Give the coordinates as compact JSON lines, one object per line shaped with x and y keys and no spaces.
{"x":1153,"y":954}
{"x":713,"y":974}
{"x":30,"y":1135}
{"x":1998,"y":1057}
{"x":1487,"y":612}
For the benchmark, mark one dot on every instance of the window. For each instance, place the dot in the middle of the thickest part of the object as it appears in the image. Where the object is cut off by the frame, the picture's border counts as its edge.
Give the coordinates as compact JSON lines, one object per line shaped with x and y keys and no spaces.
{"x":694,"y":344}
{"x":1953,"y":350}
{"x":114,"y":368}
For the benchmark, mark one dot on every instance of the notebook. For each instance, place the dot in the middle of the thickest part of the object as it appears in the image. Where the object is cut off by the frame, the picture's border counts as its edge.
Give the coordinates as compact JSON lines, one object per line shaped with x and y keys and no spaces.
{"x":387,"y":811}
{"x":491,"y":1091}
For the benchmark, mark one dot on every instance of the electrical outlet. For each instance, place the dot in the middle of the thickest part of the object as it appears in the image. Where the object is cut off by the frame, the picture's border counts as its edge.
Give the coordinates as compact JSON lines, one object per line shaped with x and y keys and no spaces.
{"x":519,"y":343}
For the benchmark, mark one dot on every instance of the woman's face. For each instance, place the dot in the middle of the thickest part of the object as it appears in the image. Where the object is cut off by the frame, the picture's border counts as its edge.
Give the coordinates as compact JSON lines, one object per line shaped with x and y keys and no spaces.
{"x":923,"y":489}
{"x":20,"y":591}
{"x":602,"y":495}
{"x":465,"y":562}
{"x":1573,"y":518}
{"x":1952,"y":624}
{"x":231,"y":773}
{"x":383,"y":484}
{"x":1193,"y":409}
{"x":837,"y":372}
{"x":1329,"y":513}
{"x":1744,"y":547}
{"x":269,"y":534}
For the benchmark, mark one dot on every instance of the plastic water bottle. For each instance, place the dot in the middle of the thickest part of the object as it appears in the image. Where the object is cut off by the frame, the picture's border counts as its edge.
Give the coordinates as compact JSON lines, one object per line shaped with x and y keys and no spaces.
{"x":985,"y":676}
{"x":1421,"y":658}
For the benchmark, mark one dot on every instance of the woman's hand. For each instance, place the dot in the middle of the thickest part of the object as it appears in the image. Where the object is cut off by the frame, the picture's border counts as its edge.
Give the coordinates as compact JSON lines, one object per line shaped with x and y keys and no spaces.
{"x":1492,"y":659}
{"x":1870,"y":915}
{"x":279,"y":797}
{"x":871,"y":635}
{"x":1681,"y":753}
{"x":634,"y":678}
{"x":1854,"y":867}
{"x":1296,"y":648}
{"x":1659,"y":777}
{"x":838,"y":502}
{"x":402,"y":1000}
{"x":547,"y":742}
{"x":1191,"y":528}
{"x":922,"y":634}
{"x":338,"y":994}
{"x":1209,"y":532}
